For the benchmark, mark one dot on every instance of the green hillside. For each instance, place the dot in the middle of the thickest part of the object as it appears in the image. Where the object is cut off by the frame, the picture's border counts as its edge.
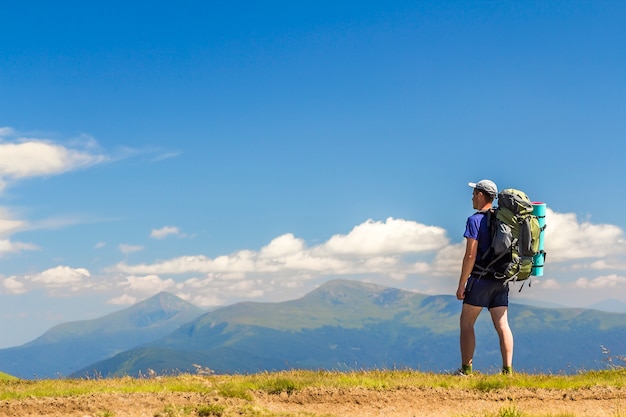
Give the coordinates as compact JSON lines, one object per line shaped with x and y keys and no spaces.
{"x":7,"y":377}
{"x":69,"y":347}
{"x":346,"y":325}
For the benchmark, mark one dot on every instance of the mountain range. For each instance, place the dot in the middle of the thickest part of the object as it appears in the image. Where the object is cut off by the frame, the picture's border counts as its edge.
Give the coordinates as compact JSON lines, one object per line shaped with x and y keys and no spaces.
{"x":611,"y":305}
{"x":342,"y":325}
{"x":70,"y":346}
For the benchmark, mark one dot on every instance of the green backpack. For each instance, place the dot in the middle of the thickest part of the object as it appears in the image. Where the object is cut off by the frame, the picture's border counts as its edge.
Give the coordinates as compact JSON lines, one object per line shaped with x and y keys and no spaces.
{"x":514,"y":238}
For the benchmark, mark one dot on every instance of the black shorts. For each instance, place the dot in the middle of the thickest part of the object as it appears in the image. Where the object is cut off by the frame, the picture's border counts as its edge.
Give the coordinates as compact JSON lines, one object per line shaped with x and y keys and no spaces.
{"x":486,"y":292}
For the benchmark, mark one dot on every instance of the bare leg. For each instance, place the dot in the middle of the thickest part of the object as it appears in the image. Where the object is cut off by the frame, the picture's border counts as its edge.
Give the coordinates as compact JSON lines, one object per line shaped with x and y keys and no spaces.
{"x":469,"y":314}
{"x":499,"y":315}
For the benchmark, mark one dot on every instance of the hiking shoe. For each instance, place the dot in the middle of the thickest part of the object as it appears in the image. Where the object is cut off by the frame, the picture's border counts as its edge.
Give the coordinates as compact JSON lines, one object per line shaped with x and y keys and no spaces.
{"x":461,"y":372}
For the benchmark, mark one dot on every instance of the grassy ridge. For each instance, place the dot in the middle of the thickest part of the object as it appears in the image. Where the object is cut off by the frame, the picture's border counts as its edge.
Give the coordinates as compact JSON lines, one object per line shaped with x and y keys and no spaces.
{"x":7,"y":377}
{"x":234,"y":395}
{"x":342,"y":325}
{"x":241,"y":386}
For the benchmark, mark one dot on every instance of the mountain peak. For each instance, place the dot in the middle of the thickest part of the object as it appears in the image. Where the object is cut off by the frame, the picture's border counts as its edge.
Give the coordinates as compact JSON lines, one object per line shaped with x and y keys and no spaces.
{"x":610,"y":305}
{"x":70,"y":346}
{"x":155,"y":310}
{"x":340,"y":291}
{"x":161,"y":309}
{"x":165,"y":301}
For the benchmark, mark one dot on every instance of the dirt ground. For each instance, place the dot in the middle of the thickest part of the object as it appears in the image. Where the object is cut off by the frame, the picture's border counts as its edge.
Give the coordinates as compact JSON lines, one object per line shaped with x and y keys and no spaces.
{"x":405,"y":402}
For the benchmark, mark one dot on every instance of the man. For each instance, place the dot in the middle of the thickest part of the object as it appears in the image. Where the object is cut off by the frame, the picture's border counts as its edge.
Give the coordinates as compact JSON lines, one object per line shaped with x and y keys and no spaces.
{"x":484,"y":291}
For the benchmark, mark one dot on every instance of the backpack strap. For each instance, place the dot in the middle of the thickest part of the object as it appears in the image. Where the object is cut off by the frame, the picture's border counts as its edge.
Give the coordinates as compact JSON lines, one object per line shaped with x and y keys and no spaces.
{"x":480,"y":271}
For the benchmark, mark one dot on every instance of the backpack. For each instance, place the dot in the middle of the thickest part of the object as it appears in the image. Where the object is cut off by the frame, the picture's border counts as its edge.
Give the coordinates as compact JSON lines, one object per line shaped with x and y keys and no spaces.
{"x":515,"y":233}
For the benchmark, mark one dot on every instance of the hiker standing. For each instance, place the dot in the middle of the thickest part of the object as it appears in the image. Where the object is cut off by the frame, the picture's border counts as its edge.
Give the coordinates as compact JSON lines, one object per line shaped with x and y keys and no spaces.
{"x":485,"y":291}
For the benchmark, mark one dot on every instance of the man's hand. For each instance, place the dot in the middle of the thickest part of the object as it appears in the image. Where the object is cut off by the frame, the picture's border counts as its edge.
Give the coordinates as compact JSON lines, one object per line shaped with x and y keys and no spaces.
{"x":460,"y":292}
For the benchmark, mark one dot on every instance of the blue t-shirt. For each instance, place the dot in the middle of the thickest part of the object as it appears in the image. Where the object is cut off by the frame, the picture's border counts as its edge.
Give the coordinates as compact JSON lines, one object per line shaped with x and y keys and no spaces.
{"x":478,"y":229}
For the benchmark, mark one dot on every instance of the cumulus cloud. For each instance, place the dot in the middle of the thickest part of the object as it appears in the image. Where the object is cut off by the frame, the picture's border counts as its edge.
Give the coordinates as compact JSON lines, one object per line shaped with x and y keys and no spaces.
{"x":285,"y":245}
{"x":549,"y":284}
{"x":372,"y":247}
{"x":130,"y":288}
{"x":568,"y":239}
{"x":393,"y":252}
{"x":60,"y":276}
{"x":149,"y":284}
{"x":202,"y":300}
{"x":388,"y":251}
{"x":615,"y":264}
{"x":385,"y":248}
{"x":448,"y":260}
{"x":393,"y":236}
{"x":123,"y":299}
{"x":13,"y":286}
{"x":371,"y":243}
{"x":216,"y":290}
{"x":55,"y":281}
{"x":606,"y":281}
{"x":164,"y":232}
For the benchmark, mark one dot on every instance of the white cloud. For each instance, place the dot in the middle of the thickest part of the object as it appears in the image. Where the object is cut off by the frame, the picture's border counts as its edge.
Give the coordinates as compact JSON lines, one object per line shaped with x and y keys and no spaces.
{"x":126,"y":249}
{"x":567,"y":239}
{"x":202,"y":300}
{"x":606,"y":281}
{"x":393,"y":252}
{"x":8,"y":223}
{"x":372,"y":247}
{"x":7,"y":246}
{"x":164,"y":232}
{"x":26,"y":157}
{"x":31,"y":157}
{"x":448,"y":260}
{"x":13,"y":286}
{"x":546,"y":284}
{"x":393,"y":236}
{"x":284,"y":245}
{"x":609,"y":263}
{"x":34,"y":157}
{"x":60,"y":276}
{"x":149,"y":284}
{"x":123,"y":299}
{"x":251,"y":288}
{"x":215,"y":291}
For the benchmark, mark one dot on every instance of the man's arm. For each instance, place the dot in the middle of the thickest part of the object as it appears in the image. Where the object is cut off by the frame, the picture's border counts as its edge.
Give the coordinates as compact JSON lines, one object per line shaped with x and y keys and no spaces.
{"x":471,"y":248}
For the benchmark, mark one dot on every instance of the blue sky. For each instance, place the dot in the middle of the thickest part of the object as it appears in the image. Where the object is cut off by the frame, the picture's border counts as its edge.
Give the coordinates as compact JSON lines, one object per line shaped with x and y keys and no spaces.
{"x":233,"y":151}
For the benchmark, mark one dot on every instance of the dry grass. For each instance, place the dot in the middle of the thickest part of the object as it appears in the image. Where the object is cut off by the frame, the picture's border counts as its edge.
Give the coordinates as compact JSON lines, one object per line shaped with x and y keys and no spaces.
{"x":240,"y":386}
{"x":226,"y":395}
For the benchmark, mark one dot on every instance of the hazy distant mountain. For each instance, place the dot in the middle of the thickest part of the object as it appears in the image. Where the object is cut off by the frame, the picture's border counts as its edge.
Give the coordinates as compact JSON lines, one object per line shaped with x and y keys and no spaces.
{"x":341,"y":325}
{"x":351,"y":325}
{"x":71,"y":346}
{"x":611,"y":305}
{"x":538,"y":303}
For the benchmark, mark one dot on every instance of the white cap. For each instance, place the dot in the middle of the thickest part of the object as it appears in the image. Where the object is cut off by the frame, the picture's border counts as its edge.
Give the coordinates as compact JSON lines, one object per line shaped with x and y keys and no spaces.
{"x":486,"y":186}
